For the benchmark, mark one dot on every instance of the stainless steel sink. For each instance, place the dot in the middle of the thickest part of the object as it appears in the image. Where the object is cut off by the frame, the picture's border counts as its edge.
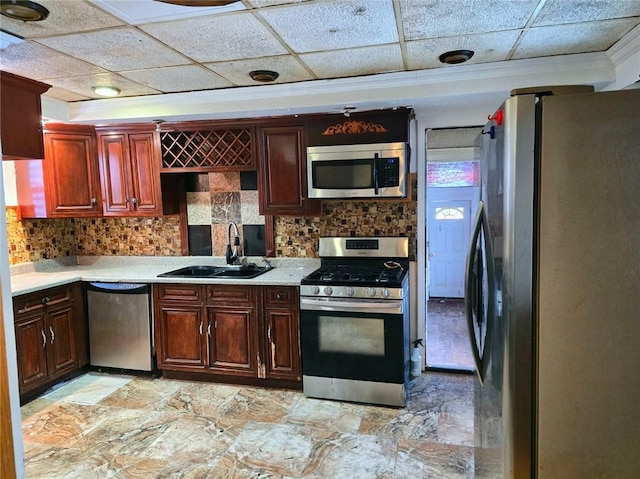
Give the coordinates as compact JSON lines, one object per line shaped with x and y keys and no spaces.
{"x":231,"y":272}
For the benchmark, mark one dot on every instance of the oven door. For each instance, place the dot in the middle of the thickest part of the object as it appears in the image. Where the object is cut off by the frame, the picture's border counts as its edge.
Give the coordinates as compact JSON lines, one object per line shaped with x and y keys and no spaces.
{"x":361,"y":339}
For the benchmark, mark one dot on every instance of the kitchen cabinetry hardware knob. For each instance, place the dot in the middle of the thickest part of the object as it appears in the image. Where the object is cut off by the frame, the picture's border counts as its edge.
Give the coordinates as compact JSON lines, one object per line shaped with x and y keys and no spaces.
{"x":44,"y":339}
{"x":45,"y":300}
{"x":53,"y":336}
{"x":94,"y":201}
{"x":279,"y":296}
{"x":134,"y":201}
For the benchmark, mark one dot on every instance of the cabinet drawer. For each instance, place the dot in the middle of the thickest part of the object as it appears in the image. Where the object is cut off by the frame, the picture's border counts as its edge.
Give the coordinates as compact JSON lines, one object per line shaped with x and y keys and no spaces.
{"x":236,"y":294}
{"x":48,"y":297}
{"x":280,"y":296}
{"x":191,"y":293}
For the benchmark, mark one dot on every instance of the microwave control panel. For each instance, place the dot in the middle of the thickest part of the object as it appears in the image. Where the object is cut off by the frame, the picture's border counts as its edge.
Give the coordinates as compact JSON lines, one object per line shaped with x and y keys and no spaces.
{"x":388,"y":172}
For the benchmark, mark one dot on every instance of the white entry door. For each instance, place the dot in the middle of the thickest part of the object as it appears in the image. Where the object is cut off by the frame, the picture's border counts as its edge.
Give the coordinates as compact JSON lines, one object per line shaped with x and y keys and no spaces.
{"x":449,"y":225}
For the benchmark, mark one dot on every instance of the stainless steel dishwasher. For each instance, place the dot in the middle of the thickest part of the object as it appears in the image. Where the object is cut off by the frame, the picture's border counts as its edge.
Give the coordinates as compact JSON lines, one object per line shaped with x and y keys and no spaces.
{"x":120,"y":325}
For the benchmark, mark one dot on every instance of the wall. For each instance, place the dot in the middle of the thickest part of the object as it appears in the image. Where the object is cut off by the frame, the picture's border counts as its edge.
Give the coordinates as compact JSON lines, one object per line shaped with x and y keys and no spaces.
{"x":213,"y":201}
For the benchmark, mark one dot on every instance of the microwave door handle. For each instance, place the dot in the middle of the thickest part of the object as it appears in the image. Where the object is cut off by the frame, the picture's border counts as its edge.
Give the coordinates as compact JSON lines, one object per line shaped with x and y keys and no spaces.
{"x":375,"y":173}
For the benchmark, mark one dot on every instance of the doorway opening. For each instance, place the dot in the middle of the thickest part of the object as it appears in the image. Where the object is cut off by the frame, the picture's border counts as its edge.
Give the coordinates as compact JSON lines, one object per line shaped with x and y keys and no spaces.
{"x":452,"y":201}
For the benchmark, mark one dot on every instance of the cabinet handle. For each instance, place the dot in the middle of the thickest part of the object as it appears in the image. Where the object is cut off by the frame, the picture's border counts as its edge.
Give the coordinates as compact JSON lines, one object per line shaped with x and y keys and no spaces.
{"x":269,"y":334}
{"x":279,"y":296}
{"x":45,"y":300}
{"x":200,"y":328}
{"x":209,"y":330}
{"x":53,"y":336}
{"x":134,"y":201}
{"x":94,"y":201}
{"x":44,"y":339}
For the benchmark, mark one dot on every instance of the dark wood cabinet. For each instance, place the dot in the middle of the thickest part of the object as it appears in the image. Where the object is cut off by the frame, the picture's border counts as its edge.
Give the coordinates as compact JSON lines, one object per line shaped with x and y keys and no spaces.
{"x":67,"y":183}
{"x":282,"y":177}
{"x":48,"y":325}
{"x":130,"y":172}
{"x":21,"y":117}
{"x":228,"y":332}
{"x":282,"y":346}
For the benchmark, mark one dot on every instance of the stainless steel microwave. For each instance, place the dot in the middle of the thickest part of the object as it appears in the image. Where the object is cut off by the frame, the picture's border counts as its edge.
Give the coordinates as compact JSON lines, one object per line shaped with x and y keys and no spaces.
{"x":357,"y":171}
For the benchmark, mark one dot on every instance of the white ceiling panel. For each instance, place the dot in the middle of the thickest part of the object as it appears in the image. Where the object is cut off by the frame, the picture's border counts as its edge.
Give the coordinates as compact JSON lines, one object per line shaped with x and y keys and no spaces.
{"x":178,"y":78}
{"x":332,"y":25}
{"x":574,"y":11}
{"x":117,"y":50}
{"x":444,"y":18}
{"x":65,"y":16}
{"x":237,"y":71}
{"x":81,"y":84}
{"x":575,"y":38}
{"x":355,"y":62}
{"x":36,"y":61}
{"x":488,"y":47}
{"x":224,"y":37}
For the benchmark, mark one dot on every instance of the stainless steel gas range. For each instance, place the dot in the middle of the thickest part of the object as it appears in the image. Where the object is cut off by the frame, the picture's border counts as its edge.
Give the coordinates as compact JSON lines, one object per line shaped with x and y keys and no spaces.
{"x":354,"y":321}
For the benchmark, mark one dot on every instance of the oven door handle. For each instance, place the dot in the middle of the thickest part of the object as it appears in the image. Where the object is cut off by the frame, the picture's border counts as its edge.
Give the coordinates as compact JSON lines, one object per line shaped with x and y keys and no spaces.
{"x":388,"y":307}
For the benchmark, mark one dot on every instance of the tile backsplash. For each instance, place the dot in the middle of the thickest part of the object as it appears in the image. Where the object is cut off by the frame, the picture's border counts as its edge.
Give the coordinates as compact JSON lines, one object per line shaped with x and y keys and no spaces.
{"x":209,"y":209}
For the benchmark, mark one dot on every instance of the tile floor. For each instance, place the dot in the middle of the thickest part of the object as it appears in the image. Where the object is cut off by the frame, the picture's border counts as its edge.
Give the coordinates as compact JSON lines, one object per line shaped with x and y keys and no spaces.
{"x":111,"y":426}
{"x":447,"y":335}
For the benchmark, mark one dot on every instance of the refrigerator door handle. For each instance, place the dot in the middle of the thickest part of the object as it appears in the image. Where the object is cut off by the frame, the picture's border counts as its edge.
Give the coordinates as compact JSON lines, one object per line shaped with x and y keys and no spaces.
{"x":469,"y":286}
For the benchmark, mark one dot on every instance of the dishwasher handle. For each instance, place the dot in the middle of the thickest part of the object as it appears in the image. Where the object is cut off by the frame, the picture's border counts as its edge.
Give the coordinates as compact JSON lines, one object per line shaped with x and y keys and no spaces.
{"x":120,"y":288}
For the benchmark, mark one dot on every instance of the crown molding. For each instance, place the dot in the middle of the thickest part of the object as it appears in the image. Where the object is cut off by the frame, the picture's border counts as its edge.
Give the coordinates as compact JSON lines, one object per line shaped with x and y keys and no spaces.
{"x":370,"y":92}
{"x":626,"y":47}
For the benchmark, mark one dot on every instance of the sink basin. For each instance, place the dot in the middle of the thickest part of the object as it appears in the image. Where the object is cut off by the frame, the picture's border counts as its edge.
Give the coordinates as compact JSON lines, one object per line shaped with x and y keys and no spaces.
{"x":231,"y":272}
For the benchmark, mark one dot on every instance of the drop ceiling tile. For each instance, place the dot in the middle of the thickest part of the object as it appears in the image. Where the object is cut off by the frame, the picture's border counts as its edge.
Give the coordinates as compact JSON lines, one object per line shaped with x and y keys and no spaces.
{"x":64,"y":95}
{"x":488,"y":47}
{"x":355,"y":62}
{"x":574,"y":38}
{"x":81,"y":85}
{"x":237,"y":71}
{"x":36,"y":61}
{"x":575,"y":11}
{"x":118,"y":49}
{"x":64,"y":17}
{"x":317,"y":26}
{"x":218,"y":38}
{"x":441,"y":18}
{"x":178,"y":78}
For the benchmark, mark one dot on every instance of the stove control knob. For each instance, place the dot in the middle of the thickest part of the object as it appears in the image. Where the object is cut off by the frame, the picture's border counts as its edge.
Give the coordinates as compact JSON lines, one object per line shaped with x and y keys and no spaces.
{"x":328,"y":290}
{"x":349,"y":291}
{"x":371,"y":292}
{"x":316,"y":290}
{"x":386,"y":293}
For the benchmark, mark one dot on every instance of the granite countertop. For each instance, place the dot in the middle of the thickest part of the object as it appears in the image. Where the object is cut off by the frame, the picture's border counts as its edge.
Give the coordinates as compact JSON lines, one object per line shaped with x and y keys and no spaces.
{"x":31,"y":277}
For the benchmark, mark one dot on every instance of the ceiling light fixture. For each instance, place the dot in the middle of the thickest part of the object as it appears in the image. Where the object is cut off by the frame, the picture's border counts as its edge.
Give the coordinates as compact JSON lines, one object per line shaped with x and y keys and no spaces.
{"x":263,"y":76}
{"x":199,"y":3}
{"x":106,"y":90}
{"x":23,"y":10}
{"x":456,"y":56}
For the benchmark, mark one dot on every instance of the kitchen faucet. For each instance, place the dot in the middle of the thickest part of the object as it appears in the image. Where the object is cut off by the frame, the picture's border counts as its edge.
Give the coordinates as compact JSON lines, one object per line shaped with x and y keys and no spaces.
{"x":232,"y":256}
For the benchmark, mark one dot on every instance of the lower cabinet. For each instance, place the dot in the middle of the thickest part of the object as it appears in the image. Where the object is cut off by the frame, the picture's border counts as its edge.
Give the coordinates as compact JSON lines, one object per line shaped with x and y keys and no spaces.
{"x":237,"y":333}
{"x":50,"y":334}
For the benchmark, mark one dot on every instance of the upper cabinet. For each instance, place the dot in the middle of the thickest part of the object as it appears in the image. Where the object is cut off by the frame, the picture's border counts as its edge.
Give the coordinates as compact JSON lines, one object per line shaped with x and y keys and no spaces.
{"x":282,"y":172}
{"x":21,"y":117}
{"x":130,"y":171}
{"x":67,"y":182}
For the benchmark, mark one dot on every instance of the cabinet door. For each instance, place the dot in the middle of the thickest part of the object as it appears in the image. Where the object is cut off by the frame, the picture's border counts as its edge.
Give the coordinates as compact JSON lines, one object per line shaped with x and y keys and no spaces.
{"x":180,"y":336}
{"x":31,"y":344}
{"x":114,"y":164}
{"x":232,"y":340}
{"x":282,"y":333}
{"x":282,"y":172}
{"x":61,"y":347}
{"x":73,"y":181}
{"x":145,"y":174}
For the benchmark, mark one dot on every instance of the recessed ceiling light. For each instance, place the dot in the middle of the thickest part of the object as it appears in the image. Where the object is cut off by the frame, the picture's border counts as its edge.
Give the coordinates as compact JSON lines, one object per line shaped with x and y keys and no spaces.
{"x":263,"y":76}
{"x":23,"y":10}
{"x":106,"y":90}
{"x":456,"y":56}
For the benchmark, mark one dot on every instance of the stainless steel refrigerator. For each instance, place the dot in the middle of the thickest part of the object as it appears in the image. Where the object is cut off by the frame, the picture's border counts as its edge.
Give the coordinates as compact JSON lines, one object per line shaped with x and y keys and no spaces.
{"x":553,"y":287}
